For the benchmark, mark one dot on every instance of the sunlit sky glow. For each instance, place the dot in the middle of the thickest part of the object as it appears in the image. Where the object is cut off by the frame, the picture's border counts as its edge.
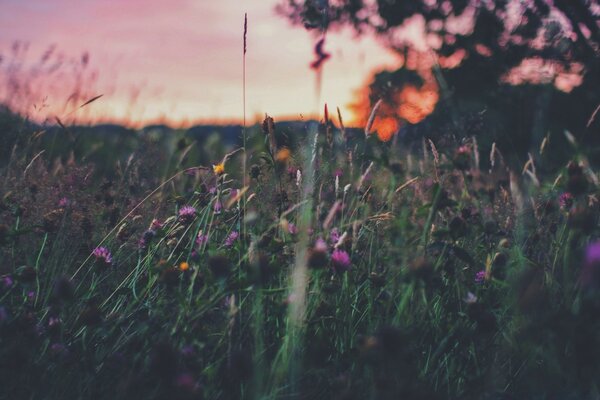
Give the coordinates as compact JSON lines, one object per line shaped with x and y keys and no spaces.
{"x":177,"y":61}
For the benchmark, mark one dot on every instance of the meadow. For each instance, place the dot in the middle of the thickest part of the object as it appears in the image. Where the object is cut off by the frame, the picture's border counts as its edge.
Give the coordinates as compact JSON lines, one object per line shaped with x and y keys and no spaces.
{"x":309,"y":261}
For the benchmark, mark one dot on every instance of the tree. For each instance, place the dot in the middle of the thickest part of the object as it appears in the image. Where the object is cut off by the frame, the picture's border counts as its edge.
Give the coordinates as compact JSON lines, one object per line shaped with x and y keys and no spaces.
{"x":511,"y":62}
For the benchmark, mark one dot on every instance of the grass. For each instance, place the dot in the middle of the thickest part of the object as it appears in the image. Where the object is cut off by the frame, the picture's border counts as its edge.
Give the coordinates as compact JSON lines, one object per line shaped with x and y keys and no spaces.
{"x":270,"y":314}
{"x":316,"y":263}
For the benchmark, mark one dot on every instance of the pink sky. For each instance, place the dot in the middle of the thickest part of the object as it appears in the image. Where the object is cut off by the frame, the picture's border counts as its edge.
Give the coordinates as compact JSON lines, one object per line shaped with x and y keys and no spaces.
{"x":185,"y":57}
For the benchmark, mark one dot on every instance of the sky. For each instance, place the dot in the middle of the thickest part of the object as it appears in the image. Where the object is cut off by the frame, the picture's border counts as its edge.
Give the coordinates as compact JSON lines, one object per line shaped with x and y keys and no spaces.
{"x":177,"y":62}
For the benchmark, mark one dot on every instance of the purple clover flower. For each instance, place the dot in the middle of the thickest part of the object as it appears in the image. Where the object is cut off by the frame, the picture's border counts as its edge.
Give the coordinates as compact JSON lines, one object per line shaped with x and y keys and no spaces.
{"x":340,"y":260}
{"x":146,"y":239}
{"x":334,"y":236}
{"x":7,"y":282}
{"x":566,"y":200}
{"x":480,"y":277}
{"x":590,"y":273}
{"x":292,"y":228}
{"x":320,"y":245}
{"x":102,"y":255}
{"x":202,"y":239}
{"x":186,"y":214}
{"x":230,"y":240}
{"x":218,"y":207}
{"x":156,"y":225}
{"x":64,"y":202}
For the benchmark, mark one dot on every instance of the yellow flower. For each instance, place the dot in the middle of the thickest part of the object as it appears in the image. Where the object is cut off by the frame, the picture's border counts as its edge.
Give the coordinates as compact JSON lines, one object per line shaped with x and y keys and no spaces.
{"x":184,"y":266}
{"x":219,"y":169}
{"x":283,"y":155}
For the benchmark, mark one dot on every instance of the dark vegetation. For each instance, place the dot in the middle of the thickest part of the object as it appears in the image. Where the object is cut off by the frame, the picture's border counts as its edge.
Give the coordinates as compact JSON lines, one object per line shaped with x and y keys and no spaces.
{"x":458,"y":257}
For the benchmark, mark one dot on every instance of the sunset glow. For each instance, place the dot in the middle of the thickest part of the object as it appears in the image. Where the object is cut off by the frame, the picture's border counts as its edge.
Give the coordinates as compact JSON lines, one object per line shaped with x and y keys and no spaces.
{"x":177,"y":62}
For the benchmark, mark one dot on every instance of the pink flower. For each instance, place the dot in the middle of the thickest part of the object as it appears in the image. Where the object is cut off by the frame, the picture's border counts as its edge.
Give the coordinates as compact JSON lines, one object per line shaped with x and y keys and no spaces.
{"x":218,"y":207}
{"x":480,"y":277}
{"x":202,"y":239}
{"x":292,"y":229}
{"x":102,"y":255}
{"x":334,"y":236}
{"x":187,"y":214}
{"x":340,"y":260}
{"x":590,"y":273}
{"x":156,"y":225}
{"x":64,"y":202}
{"x":566,"y":200}
{"x":230,"y":240}
{"x":320,"y":245}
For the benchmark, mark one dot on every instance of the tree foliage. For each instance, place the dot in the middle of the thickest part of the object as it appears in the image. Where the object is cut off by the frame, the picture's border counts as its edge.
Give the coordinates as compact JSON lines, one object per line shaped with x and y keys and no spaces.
{"x":485,"y":55}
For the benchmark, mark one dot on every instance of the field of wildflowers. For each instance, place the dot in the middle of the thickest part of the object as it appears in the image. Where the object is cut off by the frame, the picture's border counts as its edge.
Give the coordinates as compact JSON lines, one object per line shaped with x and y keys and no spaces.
{"x":338,"y":266}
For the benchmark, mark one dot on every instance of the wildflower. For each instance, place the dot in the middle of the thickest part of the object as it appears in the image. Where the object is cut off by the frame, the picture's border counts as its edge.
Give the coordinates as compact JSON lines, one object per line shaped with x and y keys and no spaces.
{"x":283,"y":155}
{"x":566,"y":200}
{"x":219,"y":169}
{"x":590,"y":273}
{"x":156,"y":225}
{"x":334,"y":236}
{"x":320,"y":245}
{"x":231,"y":238}
{"x":340,"y":260}
{"x":146,"y":239}
{"x":218,"y":207}
{"x":7,"y":282}
{"x":292,"y":228}
{"x":184,"y":266}
{"x":470,"y":299}
{"x":480,"y":277}
{"x":64,"y":202}
{"x":102,"y":255}
{"x":292,"y":171}
{"x":187,"y":214}
{"x":201,"y":239}
{"x":54,"y":322}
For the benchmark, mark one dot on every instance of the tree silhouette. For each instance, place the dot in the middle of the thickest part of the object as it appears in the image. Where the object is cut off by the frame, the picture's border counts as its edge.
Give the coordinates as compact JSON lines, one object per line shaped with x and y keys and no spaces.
{"x":521,"y":67}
